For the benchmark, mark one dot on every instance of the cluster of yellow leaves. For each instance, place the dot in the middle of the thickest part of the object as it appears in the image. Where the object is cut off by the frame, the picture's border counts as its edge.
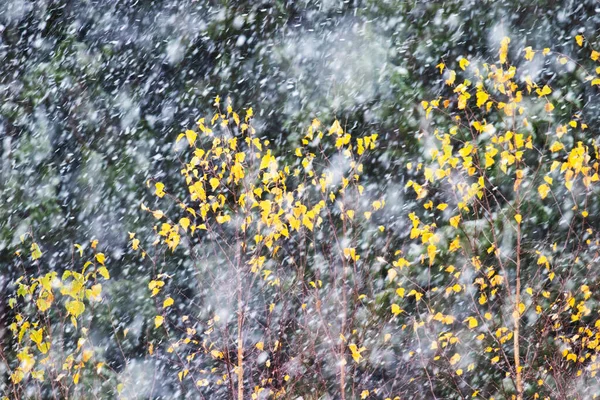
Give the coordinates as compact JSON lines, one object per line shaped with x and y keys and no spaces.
{"x":469,"y":155}
{"x":75,"y":287}
{"x":272,"y":205}
{"x":240,"y":185}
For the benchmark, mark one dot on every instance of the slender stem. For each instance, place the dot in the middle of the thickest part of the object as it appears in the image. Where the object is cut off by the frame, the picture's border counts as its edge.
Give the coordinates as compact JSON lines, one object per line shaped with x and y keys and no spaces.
{"x":342,"y":345}
{"x":240,"y":321}
{"x":516,"y":312}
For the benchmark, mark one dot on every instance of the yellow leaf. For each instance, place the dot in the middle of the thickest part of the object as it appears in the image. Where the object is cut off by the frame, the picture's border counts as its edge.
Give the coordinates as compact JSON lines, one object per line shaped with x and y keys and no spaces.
{"x":463,"y":63}
{"x":159,"y":186}
{"x":482,"y":98}
{"x":518,"y":218}
{"x":191,"y":137}
{"x":396,"y":309}
{"x":37,"y":336}
{"x":100,"y":258}
{"x":168,"y":302}
{"x":356,"y":351}
{"x":79,"y":249}
{"x":249,"y":114}
{"x":104,"y":272}
{"x":185,"y":223}
{"x":17,"y":376}
{"x":221,"y":219}
{"x":75,"y":307}
{"x":86,"y":355}
{"x":158,"y":214}
{"x":472,"y":322}
{"x":39,"y":375}
{"x":441,"y":67}
{"x":94,"y":292}
{"x":307,"y":222}
{"x":454,"y":359}
{"x":529,"y":53}
{"x":544,"y":91}
{"x":503,"y":49}
{"x":556,"y":146}
{"x":543,"y":190}
{"x":451,"y":79}
{"x":595,"y":55}
{"x":214,"y":183}
{"x":35,"y":251}
{"x":392,"y":273}
{"x":454,"y":221}
{"x":482,"y":299}
{"x":431,"y":250}
{"x":260,"y":346}
{"x":579,"y":40}
{"x":158,"y":321}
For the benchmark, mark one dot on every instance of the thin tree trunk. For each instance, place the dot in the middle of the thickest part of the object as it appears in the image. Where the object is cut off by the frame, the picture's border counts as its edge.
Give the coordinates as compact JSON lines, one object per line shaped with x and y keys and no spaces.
{"x":240,"y":322}
{"x":517,"y":317}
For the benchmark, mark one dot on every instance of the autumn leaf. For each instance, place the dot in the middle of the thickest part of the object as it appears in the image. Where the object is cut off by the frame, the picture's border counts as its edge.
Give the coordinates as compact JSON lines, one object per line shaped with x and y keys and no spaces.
{"x":185,"y":223}
{"x":472,"y":322}
{"x":214,"y":183}
{"x":159,"y":189}
{"x":396,"y":310}
{"x":104,"y":272}
{"x":454,"y":221}
{"x":75,"y":308}
{"x":529,"y":53}
{"x":503,"y":49}
{"x":168,"y":302}
{"x":556,"y":146}
{"x":543,"y":190}
{"x":100,"y":258}
{"x":35,"y":252}
{"x":191,"y":137}
{"x":543,"y":91}
{"x":455,"y":359}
